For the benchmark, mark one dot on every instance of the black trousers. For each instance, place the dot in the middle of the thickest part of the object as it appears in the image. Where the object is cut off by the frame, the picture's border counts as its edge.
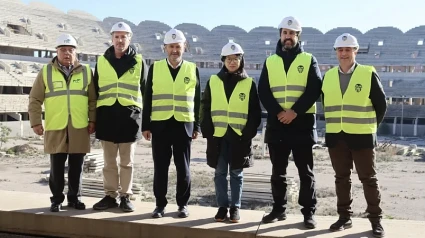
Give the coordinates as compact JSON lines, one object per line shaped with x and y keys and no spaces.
{"x":303,"y":158}
{"x":57,"y":178}
{"x":174,"y":142}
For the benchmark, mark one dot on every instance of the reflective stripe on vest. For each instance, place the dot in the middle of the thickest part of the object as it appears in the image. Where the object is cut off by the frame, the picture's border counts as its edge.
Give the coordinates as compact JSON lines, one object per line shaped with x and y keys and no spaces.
{"x":63,"y":100}
{"x":173,"y":97}
{"x":287,"y":87}
{"x":352,"y":113}
{"x":125,"y":89}
{"x":233,"y":113}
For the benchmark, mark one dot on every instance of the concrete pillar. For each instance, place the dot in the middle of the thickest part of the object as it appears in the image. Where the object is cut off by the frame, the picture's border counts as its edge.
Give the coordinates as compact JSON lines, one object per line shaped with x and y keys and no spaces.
{"x":415,"y":127}
{"x":410,"y":101}
{"x":18,"y":117}
{"x":394,"y":125}
{"x":390,"y":100}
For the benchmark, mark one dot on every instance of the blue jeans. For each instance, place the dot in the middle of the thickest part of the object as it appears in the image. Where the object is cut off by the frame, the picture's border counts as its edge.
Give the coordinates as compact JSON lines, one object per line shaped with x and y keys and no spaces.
{"x":220,"y":179}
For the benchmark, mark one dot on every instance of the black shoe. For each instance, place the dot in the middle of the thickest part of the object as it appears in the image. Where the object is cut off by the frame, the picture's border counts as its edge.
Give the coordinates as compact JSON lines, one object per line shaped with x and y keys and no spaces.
{"x":77,"y":205}
{"x":158,"y":212}
{"x":377,"y":229}
{"x":234,"y":214}
{"x":274,"y":216}
{"x":342,"y":224}
{"x":309,"y":222}
{"x":183,"y":212}
{"x":105,"y":203}
{"x":126,"y":205}
{"x":55,"y":207}
{"x":221,"y":214}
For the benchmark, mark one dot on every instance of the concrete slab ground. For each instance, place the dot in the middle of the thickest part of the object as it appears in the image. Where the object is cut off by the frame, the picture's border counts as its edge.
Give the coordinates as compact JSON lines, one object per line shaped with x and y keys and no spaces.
{"x":29,"y":213}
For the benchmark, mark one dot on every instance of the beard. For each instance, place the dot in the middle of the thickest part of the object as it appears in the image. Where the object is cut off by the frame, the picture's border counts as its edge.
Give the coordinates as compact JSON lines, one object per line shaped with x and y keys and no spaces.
{"x":286,"y":46}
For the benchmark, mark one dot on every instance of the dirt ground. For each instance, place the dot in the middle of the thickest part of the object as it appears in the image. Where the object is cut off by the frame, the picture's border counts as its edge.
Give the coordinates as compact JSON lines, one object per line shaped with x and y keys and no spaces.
{"x":401,"y":178}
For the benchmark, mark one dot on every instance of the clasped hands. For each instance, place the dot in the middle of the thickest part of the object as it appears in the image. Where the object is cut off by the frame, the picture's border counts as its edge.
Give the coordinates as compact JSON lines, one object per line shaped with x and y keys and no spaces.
{"x":286,"y":116}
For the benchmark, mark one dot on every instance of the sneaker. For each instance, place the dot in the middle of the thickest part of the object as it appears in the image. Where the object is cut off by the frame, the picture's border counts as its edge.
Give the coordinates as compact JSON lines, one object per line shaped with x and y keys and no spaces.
{"x":234,"y":214}
{"x":55,"y":207}
{"x":158,"y":212}
{"x":105,"y":203}
{"x":377,"y":229}
{"x":126,"y":205}
{"x":274,"y":216}
{"x":309,"y":222}
{"x":183,"y":212}
{"x":221,"y":214}
{"x":342,"y":224}
{"x":77,"y":205}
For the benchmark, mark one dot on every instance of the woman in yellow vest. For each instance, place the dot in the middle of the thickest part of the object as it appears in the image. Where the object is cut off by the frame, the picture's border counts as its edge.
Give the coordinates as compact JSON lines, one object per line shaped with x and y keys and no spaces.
{"x":231,"y":114}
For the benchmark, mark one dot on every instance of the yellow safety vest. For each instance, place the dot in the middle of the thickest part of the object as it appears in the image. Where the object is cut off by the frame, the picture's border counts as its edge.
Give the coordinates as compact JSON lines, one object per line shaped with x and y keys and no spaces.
{"x":173,"y":97}
{"x":233,"y":112}
{"x":63,"y":100}
{"x":287,"y":87}
{"x":352,"y":113}
{"x":125,"y":89}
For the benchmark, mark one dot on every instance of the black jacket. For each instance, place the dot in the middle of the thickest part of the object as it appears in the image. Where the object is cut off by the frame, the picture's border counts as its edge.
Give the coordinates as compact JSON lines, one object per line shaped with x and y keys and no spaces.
{"x":242,"y":156}
{"x":362,"y":141}
{"x":117,"y":123}
{"x":160,"y":126}
{"x":302,"y":130}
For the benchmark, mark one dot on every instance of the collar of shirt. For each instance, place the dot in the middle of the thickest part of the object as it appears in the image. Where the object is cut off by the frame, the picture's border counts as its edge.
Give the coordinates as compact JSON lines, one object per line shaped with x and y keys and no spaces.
{"x":173,"y":66}
{"x":349,"y":71}
{"x":68,"y":69}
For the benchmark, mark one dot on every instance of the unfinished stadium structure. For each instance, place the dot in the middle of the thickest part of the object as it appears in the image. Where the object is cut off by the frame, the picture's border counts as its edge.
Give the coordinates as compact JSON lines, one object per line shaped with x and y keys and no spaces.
{"x":28,"y":33}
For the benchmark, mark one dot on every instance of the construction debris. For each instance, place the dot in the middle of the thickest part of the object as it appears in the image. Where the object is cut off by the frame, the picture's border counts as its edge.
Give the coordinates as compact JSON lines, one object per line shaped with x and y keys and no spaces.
{"x":94,"y":188}
{"x":93,"y":163}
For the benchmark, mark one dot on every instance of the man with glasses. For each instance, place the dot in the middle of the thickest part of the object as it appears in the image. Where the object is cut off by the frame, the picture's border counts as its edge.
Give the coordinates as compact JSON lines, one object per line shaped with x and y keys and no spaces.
{"x":289,"y":85}
{"x":66,"y":89}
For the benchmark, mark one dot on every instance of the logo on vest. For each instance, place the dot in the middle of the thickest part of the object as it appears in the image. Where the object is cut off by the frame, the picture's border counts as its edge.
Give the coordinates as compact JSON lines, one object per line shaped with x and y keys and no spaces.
{"x":358,"y":87}
{"x":131,"y":70}
{"x":76,"y":80}
{"x":242,"y":96}
{"x":186,"y":80}
{"x":300,"y":68}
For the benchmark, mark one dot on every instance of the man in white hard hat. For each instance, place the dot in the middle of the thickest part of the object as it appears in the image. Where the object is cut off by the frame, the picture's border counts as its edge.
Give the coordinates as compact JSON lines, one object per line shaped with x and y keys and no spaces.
{"x":66,"y":89}
{"x":171,"y":119}
{"x":231,"y":114}
{"x":351,"y":124}
{"x":289,"y":85}
{"x":119,"y":80}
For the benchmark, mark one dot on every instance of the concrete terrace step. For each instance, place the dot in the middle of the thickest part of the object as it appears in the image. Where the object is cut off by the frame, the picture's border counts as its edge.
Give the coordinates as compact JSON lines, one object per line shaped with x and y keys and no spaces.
{"x":29,"y":213}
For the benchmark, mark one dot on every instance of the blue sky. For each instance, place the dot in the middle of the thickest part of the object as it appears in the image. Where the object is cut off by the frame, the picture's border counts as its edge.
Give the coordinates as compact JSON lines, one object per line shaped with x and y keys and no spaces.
{"x":247,"y":14}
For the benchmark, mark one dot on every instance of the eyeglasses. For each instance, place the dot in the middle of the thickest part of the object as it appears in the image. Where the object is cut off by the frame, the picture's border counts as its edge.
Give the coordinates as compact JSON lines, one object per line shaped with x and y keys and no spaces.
{"x":233,"y":59}
{"x":65,"y":50}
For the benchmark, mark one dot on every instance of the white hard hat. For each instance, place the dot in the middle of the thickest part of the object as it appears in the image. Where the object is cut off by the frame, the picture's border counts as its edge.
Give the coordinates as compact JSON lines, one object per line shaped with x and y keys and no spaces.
{"x":290,"y":23}
{"x":66,"y":40}
{"x":231,"y":49}
{"x":346,"y":40}
{"x":121,"y":26}
{"x":174,"y":36}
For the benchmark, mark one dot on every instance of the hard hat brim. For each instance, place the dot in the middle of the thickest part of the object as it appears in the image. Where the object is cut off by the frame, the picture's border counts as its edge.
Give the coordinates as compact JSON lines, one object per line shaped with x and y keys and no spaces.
{"x":66,"y":45}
